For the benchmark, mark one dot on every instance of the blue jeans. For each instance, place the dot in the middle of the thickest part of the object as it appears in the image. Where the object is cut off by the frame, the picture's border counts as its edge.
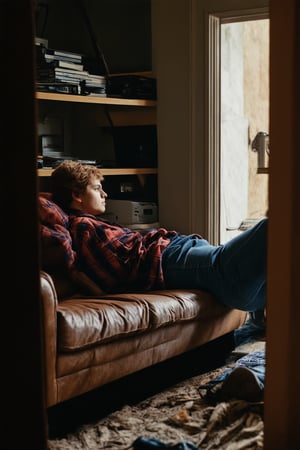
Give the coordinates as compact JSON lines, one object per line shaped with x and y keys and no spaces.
{"x":244,"y":381}
{"x":255,"y":361}
{"x":234,"y":272}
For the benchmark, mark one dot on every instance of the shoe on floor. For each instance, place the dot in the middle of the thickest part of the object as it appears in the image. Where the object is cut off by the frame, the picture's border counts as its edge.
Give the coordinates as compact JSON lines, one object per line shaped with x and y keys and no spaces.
{"x":253,"y":329}
{"x":241,"y":384}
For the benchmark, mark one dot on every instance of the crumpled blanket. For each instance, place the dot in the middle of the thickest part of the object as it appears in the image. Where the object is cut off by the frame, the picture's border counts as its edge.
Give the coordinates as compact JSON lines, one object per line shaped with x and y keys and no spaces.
{"x":178,"y":416}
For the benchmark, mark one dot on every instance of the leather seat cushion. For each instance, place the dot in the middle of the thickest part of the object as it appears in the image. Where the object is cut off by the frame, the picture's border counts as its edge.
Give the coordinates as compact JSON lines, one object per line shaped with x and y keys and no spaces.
{"x":85,"y":322}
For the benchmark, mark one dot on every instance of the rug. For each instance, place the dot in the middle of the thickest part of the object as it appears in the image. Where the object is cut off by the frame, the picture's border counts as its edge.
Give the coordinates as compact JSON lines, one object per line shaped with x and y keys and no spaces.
{"x":178,"y":414}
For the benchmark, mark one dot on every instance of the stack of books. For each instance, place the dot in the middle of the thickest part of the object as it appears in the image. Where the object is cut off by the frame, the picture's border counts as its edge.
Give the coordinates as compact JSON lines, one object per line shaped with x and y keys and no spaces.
{"x":67,"y":72}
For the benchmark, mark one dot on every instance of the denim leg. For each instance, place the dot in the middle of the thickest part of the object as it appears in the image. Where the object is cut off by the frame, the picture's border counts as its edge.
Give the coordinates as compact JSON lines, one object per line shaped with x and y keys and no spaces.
{"x":256,"y":362}
{"x":242,"y":262}
{"x":235,"y":272}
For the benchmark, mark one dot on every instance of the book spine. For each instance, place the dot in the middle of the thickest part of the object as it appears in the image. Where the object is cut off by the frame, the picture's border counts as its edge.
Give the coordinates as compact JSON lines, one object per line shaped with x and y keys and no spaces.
{"x":68,"y":54}
{"x":69,"y":65}
{"x":52,"y":51}
{"x":50,"y":57}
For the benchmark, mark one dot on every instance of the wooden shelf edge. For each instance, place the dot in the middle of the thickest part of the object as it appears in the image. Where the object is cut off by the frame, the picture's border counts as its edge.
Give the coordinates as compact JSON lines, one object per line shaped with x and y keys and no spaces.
{"x":111,"y":172}
{"x":95,"y":100}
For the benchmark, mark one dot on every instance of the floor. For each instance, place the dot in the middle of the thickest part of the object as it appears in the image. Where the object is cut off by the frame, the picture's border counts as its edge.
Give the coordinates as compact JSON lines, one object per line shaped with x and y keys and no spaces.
{"x":67,"y":416}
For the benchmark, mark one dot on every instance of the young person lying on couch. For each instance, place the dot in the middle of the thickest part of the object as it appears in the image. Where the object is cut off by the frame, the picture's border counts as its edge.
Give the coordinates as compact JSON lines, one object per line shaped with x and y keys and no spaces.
{"x":118,"y":259}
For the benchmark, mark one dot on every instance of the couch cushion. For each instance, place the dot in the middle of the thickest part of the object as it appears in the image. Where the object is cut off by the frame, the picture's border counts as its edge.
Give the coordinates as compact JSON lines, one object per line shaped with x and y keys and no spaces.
{"x":50,"y":213}
{"x":84,"y":322}
{"x":56,"y":242}
{"x":178,"y":305}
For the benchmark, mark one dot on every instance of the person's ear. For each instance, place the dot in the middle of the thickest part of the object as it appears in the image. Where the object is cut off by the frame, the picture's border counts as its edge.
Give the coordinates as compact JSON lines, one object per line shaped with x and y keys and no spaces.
{"x":76,"y":197}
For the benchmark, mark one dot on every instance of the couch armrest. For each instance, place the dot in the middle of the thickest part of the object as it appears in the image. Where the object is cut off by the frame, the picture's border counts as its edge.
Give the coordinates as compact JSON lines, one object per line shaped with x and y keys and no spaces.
{"x":49,"y":330}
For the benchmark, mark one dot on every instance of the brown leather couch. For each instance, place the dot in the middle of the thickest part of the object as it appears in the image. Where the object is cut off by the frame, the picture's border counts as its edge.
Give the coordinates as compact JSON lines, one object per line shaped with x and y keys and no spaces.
{"x":92,"y":338}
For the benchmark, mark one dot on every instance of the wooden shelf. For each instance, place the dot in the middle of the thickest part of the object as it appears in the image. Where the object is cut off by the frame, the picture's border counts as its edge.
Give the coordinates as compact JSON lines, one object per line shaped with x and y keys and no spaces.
{"x":94,"y":100}
{"x":114,"y":171}
{"x":118,"y":117}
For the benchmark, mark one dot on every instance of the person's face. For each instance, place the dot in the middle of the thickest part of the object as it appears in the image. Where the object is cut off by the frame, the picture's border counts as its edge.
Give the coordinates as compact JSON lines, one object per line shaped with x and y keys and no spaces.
{"x":92,"y":201}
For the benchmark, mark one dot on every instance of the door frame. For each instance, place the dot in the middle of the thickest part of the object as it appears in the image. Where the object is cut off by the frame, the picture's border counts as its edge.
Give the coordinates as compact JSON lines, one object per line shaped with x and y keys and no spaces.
{"x":213,"y":107}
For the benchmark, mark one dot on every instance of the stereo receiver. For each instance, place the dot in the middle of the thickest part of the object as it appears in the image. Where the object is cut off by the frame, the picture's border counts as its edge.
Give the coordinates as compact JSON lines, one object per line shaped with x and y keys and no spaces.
{"x":131,"y":212}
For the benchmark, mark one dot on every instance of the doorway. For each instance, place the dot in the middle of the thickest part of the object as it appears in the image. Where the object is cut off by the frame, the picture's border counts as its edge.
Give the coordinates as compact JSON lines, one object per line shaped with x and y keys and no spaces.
{"x":237,"y":94}
{"x":244,"y":111}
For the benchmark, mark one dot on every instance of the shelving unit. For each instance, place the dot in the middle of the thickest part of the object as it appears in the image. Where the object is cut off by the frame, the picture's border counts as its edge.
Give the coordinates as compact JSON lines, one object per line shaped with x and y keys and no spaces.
{"x":128,"y":117}
{"x":117,"y":133}
{"x":119,"y":112}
